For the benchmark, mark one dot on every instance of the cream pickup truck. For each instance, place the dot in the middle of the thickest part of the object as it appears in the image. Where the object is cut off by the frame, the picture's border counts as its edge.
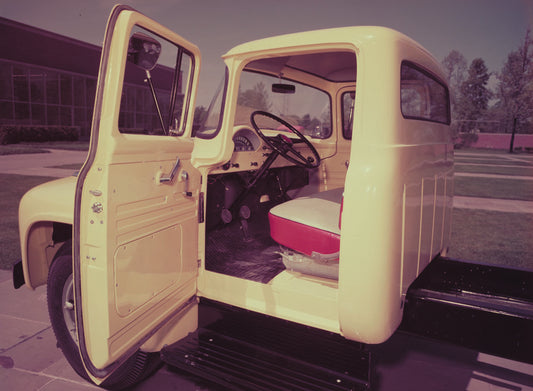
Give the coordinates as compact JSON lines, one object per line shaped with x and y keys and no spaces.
{"x":264,"y":242}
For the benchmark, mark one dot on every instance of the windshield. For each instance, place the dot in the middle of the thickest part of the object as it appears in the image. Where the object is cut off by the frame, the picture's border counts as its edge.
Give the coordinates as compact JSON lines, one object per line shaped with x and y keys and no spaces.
{"x":307,"y":109}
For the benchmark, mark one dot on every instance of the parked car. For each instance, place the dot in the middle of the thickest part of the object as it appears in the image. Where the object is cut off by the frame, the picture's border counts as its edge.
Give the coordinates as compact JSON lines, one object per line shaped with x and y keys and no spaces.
{"x":314,"y":190}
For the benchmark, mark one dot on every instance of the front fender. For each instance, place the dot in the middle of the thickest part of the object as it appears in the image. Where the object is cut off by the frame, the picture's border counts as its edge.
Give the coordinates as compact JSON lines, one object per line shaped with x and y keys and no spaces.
{"x":39,"y":209}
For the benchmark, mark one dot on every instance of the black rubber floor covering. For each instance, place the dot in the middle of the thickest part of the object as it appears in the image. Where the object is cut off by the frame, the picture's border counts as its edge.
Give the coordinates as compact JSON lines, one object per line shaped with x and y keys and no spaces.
{"x":253,"y":258}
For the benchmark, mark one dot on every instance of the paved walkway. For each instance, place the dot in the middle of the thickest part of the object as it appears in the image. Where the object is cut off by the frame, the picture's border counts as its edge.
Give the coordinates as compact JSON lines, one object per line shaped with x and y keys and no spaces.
{"x":42,"y":164}
{"x":495,"y":176}
{"x":30,"y":360}
{"x":507,"y":160}
{"x":29,"y":357}
{"x":494,"y":204}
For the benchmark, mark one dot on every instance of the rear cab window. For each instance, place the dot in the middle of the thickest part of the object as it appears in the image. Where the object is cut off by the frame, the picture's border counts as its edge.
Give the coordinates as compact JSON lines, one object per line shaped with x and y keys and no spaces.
{"x":423,"y":96}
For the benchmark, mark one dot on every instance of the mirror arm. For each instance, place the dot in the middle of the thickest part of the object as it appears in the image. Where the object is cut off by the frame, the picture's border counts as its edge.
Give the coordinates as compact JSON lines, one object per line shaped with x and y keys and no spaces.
{"x":156,"y":102}
{"x":174,"y":91}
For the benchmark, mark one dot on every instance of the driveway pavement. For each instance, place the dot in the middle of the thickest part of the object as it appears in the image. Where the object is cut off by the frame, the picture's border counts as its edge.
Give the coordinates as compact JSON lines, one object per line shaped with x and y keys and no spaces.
{"x":42,"y":164}
{"x":30,"y":360}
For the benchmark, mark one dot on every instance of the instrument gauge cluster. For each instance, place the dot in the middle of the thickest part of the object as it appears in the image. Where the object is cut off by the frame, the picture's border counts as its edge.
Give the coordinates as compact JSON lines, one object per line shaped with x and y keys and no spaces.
{"x":242,"y":144}
{"x":246,"y":140}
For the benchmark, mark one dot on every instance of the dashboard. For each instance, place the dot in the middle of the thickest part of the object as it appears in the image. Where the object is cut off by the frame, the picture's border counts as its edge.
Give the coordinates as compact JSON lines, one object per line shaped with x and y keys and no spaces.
{"x":250,"y":152}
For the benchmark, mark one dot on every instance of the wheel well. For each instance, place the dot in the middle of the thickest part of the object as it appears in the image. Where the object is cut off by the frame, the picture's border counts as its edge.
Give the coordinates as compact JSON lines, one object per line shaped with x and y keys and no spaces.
{"x":44,"y":240}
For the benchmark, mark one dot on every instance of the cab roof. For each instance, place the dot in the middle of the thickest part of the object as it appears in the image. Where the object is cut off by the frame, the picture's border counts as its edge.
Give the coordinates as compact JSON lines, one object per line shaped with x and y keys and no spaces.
{"x":355,"y":35}
{"x":338,"y":42}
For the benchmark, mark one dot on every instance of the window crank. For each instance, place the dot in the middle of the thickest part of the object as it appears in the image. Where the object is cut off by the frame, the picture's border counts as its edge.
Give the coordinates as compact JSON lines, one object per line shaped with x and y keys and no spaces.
{"x":184,"y":177}
{"x":168,"y":179}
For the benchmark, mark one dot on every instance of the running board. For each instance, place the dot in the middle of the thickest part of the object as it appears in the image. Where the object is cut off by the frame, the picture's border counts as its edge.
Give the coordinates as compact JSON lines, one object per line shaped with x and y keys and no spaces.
{"x":244,"y":350}
{"x":482,"y":307}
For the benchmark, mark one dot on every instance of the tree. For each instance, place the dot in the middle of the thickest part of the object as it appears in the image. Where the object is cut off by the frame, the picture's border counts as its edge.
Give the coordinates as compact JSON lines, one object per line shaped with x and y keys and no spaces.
{"x":515,"y":88}
{"x":257,"y":97}
{"x":200,"y":115}
{"x":455,"y":66}
{"x":474,"y":95}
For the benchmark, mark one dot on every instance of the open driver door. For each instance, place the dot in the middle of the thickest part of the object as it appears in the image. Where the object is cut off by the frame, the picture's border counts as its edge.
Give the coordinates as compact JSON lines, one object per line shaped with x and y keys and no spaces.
{"x":135,"y":234}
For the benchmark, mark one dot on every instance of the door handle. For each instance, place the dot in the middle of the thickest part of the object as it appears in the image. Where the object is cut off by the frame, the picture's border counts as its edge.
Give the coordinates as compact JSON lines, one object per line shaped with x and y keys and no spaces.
{"x":170,"y":177}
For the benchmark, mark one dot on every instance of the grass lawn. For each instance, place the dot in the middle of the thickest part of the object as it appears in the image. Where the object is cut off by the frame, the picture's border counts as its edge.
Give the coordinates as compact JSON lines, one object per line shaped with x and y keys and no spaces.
{"x":504,"y":239}
{"x":506,"y":188}
{"x":12,"y":188}
{"x":508,"y":171}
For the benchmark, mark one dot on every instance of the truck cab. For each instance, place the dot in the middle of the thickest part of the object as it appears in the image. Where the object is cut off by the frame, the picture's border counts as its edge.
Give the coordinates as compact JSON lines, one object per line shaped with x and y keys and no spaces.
{"x":313,"y":190}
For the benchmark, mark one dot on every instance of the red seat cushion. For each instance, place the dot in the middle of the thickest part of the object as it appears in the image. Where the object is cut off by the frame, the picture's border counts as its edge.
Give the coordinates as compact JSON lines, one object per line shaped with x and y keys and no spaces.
{"x":308,"y":224}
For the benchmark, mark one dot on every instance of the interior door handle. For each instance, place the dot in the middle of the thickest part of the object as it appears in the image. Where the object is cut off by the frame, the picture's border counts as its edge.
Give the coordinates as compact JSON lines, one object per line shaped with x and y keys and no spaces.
{"x":170,"y":177}
{"x":185,"y":178}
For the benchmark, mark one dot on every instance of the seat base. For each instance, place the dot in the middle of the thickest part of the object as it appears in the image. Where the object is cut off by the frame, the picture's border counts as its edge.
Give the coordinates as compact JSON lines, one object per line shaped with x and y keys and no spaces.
{"x":316,"y":265}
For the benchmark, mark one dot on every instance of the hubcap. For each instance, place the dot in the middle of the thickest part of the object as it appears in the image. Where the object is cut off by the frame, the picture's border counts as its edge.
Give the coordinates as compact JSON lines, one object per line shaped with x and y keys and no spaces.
{"x":69,"y":315}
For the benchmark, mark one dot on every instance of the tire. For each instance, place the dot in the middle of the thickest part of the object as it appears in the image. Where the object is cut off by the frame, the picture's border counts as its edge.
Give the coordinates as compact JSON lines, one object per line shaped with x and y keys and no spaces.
{"x":62,"y":317}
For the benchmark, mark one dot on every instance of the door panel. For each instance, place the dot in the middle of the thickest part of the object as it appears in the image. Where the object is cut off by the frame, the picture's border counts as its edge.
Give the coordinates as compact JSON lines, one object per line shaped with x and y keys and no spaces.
{"x":136,"y":236}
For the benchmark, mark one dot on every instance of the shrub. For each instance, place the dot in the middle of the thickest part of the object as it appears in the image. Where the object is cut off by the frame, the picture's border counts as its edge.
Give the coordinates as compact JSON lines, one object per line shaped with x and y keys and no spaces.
{"x":14,"y":134}
{"x":465,"y":140}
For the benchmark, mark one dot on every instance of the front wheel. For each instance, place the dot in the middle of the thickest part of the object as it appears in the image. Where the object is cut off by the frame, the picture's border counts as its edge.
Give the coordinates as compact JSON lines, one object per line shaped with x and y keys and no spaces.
{"x":61,"y":309}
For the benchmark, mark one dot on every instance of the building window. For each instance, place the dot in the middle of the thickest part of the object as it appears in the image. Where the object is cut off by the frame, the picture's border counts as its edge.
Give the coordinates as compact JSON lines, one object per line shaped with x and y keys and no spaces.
{"x":31,"y":95}
{"x":6,"y":87}
{"x":6,"y":112}
{"x":36,"y":86}
{"x":66,"y":90}
{"x":79,"y":91}
{"x":38,"y":114}
{"x":20,"y":84}
{"x":52,"y":88}
{"x":52,"y":115}
{"x":22,"y":113}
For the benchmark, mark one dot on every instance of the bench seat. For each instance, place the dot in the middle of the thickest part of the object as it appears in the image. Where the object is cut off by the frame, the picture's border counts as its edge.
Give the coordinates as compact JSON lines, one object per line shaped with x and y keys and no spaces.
{"x":309,"y":225}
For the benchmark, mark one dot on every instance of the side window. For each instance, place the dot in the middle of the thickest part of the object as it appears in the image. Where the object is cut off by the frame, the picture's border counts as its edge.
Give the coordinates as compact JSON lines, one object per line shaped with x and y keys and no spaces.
{"x":154,"y":96}
{"x":423,"y":96}
{"x":348,"y":101}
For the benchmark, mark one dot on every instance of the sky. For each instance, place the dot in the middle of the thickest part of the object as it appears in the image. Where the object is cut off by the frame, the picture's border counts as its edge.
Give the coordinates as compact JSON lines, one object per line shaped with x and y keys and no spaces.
{"x":489,"y":29}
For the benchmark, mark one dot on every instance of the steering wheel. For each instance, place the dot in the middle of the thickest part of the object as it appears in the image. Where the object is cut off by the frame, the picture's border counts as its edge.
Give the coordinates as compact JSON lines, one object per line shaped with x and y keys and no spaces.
{"x":285,"y":145}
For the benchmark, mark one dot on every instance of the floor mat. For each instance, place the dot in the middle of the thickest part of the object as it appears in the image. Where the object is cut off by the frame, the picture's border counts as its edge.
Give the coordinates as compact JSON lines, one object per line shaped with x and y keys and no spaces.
{"x":255,"y":259}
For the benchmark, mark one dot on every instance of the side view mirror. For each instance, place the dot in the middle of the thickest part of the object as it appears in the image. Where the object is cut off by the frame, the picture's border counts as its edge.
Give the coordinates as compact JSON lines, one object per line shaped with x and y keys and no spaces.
{"x":280,"y":88}
{"x":143,"y":51}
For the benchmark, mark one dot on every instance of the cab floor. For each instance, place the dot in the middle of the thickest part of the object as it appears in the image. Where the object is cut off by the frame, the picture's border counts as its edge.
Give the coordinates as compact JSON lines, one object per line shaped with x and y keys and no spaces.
{"x":253,"y":256}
